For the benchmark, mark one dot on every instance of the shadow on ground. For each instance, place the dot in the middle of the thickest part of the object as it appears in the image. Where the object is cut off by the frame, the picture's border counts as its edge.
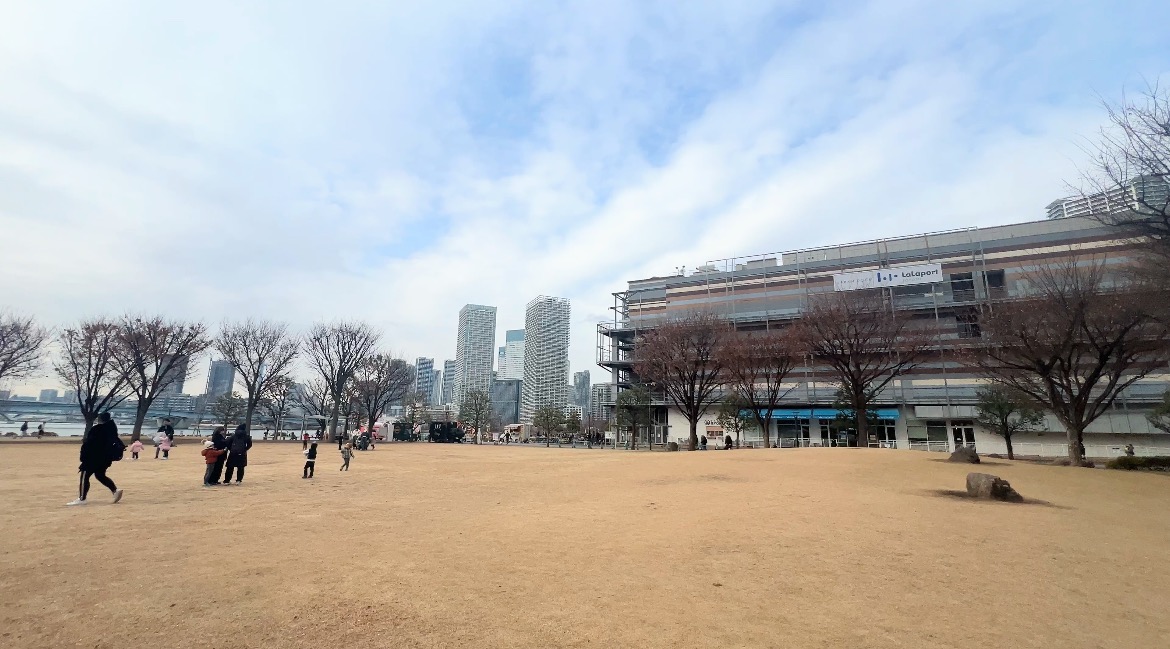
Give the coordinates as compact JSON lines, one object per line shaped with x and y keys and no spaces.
{"x":956,"y":494}
{"x":982,"y":462}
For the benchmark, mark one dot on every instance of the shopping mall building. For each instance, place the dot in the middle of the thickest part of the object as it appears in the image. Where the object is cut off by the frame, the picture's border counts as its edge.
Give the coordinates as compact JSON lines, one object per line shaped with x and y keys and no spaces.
{"x":948,"y":278}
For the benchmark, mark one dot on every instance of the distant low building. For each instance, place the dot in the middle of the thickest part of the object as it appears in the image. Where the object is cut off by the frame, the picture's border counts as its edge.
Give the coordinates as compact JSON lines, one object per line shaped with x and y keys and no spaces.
{"x":48,"y":396}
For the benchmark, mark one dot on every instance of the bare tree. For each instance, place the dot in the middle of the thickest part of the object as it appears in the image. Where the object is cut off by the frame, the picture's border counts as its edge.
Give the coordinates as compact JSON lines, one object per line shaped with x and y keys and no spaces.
{"x":261,"y":351}
{"x":476,"y":410}
{"x":548,"y":419}
{"x":87,"y":366}
{"x":154,"y":354}
{"x":731,"y":417}
{"x":277,"y":400}
{"x":683,"y":359}
{"x":857,"y":335}
{"x":1073,"y":344}
{"x":632,"y":410}
{"x":1004,"y":412}
{"x":1127,"y":185}
{"x":335,"y":352}
{"x":314,"y":401}
{"x":227,"y":409}
{"x":22,"y":344}
{"x":758,"y":365}
{"x":379,"y":382}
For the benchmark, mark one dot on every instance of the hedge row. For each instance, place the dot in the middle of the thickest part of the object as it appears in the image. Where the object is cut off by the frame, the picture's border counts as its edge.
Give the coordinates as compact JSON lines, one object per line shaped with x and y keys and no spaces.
{"x":1133,"y":463}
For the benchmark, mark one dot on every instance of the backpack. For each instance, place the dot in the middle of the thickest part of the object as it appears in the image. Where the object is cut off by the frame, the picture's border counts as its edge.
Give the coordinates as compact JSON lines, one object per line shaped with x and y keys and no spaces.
{"x":117,"y":449}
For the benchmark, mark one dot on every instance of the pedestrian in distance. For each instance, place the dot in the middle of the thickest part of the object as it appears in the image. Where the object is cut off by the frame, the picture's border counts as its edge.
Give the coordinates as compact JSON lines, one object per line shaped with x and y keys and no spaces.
{"x":346,"y":456}
{"x":24,"y":429}
{"x":310,"y":460}
{"x":41,"y":429}
{"x":135,"y":449}
{"x":703,"y":443}
{"x":341,"y":440}
{"x":220,"y":442}
{"x":167,"y":429}
{"x":211,"y":456}
{"x":237,"y":460}
{"x":100,"y":448}
{"x":305,"y":441}
{"x":164,"y":445}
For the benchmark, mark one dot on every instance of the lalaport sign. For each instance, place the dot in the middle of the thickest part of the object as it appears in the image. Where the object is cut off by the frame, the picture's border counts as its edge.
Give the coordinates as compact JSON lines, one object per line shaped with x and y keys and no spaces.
{"x":898,"y":276}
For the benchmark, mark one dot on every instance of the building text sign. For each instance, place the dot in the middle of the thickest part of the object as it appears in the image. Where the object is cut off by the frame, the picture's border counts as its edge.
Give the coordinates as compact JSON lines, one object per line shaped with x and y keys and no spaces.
{"x":897,"y":276}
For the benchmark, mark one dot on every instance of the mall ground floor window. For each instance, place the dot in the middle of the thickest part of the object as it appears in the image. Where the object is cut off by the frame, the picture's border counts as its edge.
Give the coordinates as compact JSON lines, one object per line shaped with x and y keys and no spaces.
{"x":793,"y":433}
{"x":883,"y":435}
{"x":963,"y":433}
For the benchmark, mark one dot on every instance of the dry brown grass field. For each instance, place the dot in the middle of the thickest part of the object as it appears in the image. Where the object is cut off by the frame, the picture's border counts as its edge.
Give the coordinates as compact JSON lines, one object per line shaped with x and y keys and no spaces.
{"x":427,"y":545}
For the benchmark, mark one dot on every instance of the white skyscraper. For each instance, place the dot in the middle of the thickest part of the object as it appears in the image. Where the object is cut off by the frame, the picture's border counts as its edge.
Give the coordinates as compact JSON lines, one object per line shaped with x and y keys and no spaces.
{"x":512,"y":355}
{"x":474,"y":345}
{"x":546,"y":355}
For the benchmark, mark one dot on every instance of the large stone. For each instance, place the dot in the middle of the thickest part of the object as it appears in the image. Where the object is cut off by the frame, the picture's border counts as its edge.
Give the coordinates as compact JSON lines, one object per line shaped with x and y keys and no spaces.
{"x":672,"y":446}
{"x":991,"y":487}
{"x":964,"y":454}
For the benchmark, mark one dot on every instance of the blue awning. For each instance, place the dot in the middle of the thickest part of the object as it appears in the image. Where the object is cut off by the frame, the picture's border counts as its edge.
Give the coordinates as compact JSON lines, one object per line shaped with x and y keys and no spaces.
{"x":825,"y":413}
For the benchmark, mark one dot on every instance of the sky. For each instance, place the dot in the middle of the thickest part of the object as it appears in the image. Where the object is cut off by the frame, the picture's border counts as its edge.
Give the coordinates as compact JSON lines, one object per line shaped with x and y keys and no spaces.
{"x":393,"y":161}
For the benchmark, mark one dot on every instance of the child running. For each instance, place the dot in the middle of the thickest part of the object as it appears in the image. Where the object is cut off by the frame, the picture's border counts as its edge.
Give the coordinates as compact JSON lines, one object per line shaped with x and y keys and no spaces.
{"x":165,"y":446}
{"x":346,"y":455}
{"x":310,"y":460}
{"x":135,"y":449}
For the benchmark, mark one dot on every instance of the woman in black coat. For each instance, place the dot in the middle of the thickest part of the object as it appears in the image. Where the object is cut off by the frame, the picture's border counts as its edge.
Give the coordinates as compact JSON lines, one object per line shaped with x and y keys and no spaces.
{"x":219,"y":442}
{"x":240,"y":442}
{"x":97,"y":454}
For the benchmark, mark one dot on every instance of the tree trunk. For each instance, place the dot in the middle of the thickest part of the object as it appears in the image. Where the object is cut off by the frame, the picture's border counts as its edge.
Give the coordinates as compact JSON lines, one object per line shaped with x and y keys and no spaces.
{"x":1007,"y":439}
{"x":1075,"y":439}
{"x":251,"y":409}
{"x":89,"y":419}
{"x":694,"y":440}
{"x":335,"y":413}
{"x":861,"y":411}
{"x":139,"y":418}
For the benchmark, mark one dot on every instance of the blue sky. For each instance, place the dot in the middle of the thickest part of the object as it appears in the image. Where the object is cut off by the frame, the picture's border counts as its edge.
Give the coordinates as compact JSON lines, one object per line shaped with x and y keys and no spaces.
{"x":393,"y":161}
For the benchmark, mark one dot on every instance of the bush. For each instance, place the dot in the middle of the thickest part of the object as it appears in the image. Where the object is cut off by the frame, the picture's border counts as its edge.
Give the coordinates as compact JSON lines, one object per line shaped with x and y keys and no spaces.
{"x":1133,"y":463}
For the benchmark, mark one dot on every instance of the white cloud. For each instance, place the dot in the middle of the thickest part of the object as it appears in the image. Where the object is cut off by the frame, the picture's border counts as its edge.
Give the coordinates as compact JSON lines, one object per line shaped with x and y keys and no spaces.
{"x":393,"y":162}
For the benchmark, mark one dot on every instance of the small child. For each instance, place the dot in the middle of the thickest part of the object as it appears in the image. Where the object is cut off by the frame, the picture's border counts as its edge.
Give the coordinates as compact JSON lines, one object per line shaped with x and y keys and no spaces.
{"x":165,"y":446}
{"x":210,"y":455}
{"x":346,"y":454}
{"x":135,"y":449}
{"x":310,"y":460}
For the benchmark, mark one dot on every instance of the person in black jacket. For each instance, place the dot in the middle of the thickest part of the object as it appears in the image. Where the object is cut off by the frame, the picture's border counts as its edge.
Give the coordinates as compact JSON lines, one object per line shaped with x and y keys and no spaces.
{"x":97,"y":454}
{"x":241,"y":441}
{"x":220,"y":442}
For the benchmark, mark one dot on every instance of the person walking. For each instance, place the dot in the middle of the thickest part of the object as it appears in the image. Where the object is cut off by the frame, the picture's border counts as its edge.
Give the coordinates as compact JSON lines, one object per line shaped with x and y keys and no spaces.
{"x":310,"y":461}
{"x":305,"y":441}
{"x":211,"y":456}
{"x":341,"y":440}
{"x":168,"y":430}
{"x":135,"y":449}
{"x":241,"y":441}
{"x":346,"y":456}
{"x":24,"y":429}
{"x":220,"y":442}
{"x":100,"y":448}
{"x":164,"y":445}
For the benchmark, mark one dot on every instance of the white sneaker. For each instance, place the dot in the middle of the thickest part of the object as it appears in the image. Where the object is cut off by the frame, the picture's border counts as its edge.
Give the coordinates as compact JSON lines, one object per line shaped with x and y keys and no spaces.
{"x":117,"y":496}
{"x":75,"y":502}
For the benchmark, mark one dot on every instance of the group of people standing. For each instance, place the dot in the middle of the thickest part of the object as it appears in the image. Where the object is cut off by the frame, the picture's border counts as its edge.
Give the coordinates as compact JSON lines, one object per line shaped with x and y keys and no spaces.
{"x":222,"y":451}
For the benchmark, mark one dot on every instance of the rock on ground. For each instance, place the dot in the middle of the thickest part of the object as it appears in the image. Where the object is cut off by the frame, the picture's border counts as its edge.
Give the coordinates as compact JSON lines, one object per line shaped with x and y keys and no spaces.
{"x":991,"y":487}
{"x":964,"y":454}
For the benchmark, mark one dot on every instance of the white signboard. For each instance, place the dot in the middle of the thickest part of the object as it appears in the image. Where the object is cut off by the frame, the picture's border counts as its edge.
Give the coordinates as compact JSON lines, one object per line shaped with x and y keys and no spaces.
{"x":898,"y":276}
